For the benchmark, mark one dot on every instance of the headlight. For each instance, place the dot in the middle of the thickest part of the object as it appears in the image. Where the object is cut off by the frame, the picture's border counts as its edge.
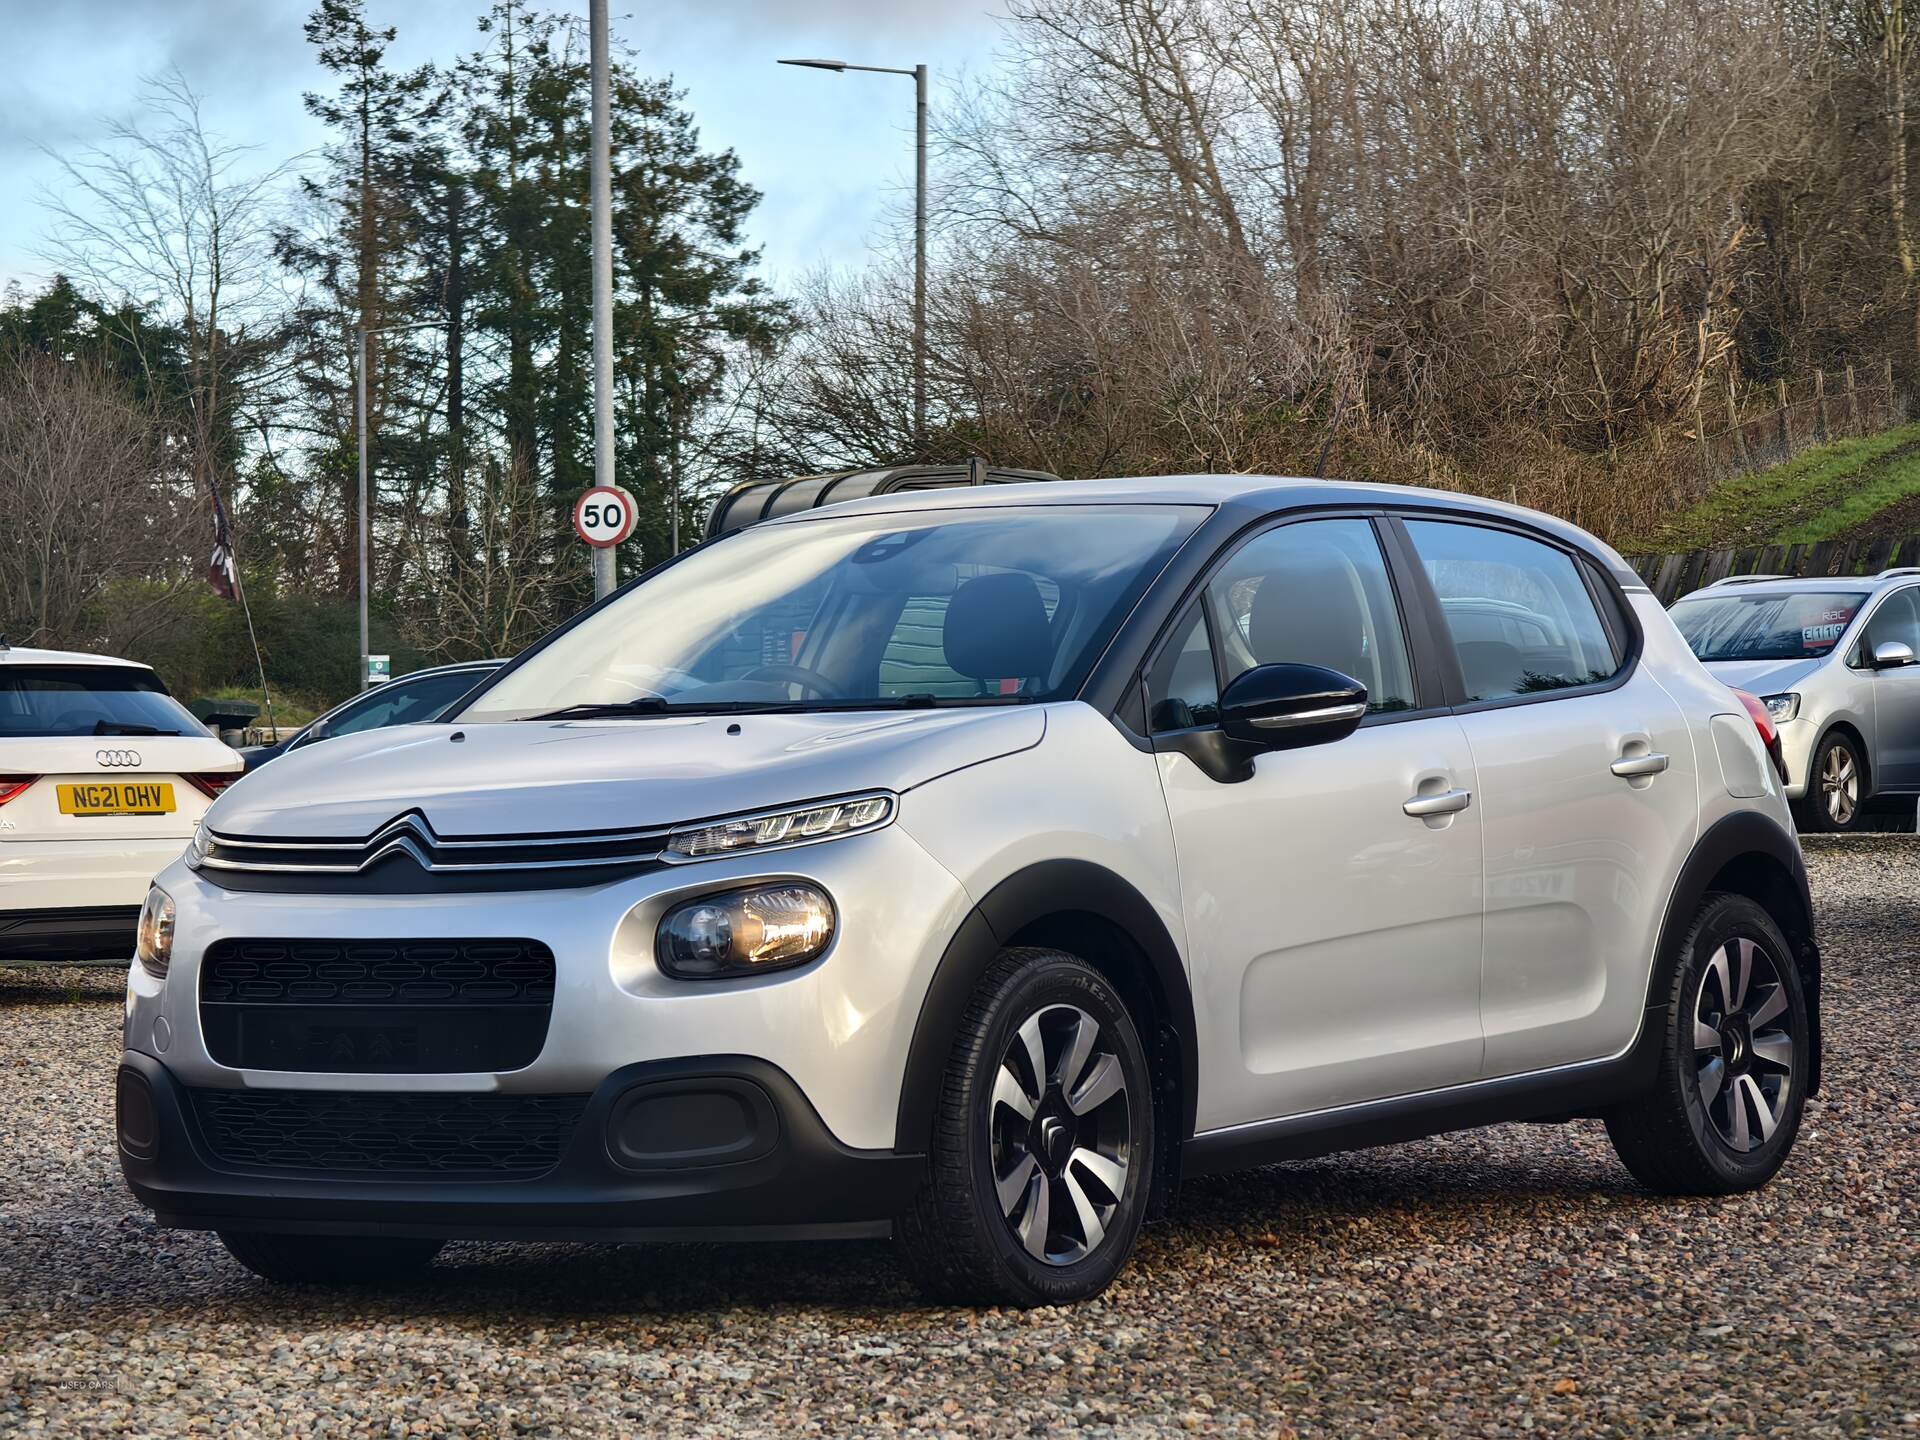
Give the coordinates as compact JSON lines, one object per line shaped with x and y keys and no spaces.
{"x":1781,"y":707}
{"x":153,"y":942}
{"x":745,"y":932}
{"x":196,"y":847}
{"x":768,"y":829}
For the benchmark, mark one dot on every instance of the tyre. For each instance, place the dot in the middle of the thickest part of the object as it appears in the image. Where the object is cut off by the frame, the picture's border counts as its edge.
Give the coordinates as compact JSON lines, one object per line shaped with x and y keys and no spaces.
{"x":1734,"y":1060}
{"x":1836,"y":786}
{"x":1043,"y":1143}
{"x":329,"y":1259}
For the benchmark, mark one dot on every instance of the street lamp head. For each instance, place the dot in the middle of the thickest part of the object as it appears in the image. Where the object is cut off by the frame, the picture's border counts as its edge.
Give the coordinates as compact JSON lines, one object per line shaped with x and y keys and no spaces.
{"x":834,"y":65}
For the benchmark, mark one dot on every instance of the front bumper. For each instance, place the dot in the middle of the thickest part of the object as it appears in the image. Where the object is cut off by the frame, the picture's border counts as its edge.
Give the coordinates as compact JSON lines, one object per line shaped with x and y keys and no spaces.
{"x":721,"y":1147}
{"x":1797,"y":737}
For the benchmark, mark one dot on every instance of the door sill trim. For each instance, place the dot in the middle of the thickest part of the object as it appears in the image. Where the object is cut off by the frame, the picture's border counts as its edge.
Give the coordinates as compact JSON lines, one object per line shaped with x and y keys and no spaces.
{"x":1580,"y":1089}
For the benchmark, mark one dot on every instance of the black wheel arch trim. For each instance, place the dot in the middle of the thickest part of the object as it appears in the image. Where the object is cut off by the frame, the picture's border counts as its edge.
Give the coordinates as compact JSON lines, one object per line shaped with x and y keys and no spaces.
{"x":1728,"y":839}
{"x":1040,"y":892}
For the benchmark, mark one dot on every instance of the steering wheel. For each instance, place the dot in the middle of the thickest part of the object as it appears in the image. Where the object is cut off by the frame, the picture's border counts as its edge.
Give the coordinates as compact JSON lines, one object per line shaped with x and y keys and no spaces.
{"x":798,"y":675}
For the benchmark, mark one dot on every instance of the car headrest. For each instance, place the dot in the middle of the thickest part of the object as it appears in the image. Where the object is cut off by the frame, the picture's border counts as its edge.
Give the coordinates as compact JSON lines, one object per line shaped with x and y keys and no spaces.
{"x":996,"y":629}
{"x":1306,"y":613}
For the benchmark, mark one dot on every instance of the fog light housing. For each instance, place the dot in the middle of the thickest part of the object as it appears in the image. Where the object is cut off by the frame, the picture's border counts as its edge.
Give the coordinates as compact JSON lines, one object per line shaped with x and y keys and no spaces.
{"x":153,"y":941}
{"x":745,"y":932}
{"x":135,"y":1118}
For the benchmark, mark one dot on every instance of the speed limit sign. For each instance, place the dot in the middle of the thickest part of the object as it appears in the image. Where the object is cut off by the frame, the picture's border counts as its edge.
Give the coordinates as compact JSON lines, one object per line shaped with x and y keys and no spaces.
{"x":604,"y":516}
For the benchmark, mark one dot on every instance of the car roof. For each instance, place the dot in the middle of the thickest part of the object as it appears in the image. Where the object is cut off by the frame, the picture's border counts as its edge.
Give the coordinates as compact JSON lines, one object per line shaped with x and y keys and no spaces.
{"x":20,"y":655}
{"x":1253,"y":494}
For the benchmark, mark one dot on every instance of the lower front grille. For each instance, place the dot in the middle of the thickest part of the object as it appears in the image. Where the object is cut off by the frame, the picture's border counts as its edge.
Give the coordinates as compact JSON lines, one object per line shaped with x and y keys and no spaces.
{"x":412,"y":1135}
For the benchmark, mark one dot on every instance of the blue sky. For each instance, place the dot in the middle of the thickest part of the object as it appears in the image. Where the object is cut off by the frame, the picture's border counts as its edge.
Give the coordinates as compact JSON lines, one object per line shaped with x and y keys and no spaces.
{"x":833,"y":154}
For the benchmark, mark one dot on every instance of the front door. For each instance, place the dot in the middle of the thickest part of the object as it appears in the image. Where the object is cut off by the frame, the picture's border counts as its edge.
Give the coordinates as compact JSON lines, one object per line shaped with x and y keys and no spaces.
{"x":1334,"y":935}
{"x":1896,"y":693}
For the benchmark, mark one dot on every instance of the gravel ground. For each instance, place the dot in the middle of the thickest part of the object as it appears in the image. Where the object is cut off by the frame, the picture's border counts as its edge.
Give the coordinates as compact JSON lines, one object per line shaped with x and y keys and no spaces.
{"x":1505,"y":1281}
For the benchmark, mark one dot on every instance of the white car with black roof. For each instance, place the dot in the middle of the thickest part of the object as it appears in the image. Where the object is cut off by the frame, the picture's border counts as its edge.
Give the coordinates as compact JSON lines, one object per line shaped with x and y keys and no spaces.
{"x":103,"y":777}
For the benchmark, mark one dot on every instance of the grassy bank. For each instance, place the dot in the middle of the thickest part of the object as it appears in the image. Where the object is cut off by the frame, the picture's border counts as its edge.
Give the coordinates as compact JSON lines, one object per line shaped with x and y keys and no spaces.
{"x":1843,"y":489}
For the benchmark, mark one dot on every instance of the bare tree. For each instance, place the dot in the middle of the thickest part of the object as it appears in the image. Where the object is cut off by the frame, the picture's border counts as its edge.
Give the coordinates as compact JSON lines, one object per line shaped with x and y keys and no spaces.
{"x":94,"y":507}
{"x":167,"y":215}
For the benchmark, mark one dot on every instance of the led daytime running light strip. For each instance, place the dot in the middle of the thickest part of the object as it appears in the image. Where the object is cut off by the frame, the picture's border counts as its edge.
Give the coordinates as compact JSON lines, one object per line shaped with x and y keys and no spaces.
{"x":776,"y":829}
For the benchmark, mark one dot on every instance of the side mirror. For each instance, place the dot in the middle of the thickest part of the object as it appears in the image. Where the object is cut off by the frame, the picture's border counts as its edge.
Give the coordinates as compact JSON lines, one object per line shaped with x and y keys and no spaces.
{"x":1271,"y":707}
{"x":1892,"y":654}
{"x":1282,"y":707}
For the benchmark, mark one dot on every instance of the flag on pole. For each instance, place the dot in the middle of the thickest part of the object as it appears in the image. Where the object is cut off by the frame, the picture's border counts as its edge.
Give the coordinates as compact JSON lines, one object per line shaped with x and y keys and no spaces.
{"x":220,"y":568}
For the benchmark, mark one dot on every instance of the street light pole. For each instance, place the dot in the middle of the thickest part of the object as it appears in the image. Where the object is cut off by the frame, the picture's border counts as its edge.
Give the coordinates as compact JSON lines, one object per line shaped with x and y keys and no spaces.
{"x":919,"y":74}
{"x":604,"y":567}
{"x":360,"y":333}
{"x":920,"y":260}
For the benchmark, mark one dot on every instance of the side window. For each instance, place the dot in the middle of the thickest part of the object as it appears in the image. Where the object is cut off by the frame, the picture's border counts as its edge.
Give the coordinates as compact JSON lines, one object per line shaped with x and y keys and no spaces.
{"x":1898,"y":618}
{"x":1315,"y":593}
{"x":1521,"y":617}
{"x":1181,"y":690}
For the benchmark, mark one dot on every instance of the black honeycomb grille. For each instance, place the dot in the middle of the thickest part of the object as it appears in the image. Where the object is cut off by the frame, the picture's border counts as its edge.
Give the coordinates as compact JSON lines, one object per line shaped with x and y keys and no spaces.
{"x":377,"y":972}
{"x":341,"y":1133}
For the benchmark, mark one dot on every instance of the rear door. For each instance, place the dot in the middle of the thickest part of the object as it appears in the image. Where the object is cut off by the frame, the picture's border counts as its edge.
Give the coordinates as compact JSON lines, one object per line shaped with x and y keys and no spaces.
{"x":1587,"y":796}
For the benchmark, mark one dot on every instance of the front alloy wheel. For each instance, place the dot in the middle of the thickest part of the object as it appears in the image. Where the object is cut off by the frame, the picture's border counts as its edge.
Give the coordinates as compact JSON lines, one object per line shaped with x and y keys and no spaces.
{"x":1043,"y":1141}
{"x":1059,"y":1133}
{"x":1839,"y":785}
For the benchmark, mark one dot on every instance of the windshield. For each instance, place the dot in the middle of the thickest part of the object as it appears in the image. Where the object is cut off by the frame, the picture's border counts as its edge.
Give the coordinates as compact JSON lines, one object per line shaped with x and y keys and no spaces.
{"x":45,"y":700}
{"x":1798,"y":625}
{"x":950,"y":607}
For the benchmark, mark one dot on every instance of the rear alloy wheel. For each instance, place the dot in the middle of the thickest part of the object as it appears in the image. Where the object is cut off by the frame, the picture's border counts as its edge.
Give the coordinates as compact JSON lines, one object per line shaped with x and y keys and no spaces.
{"x":1834,"y":789}
{"x":1043,"y":1142}
{"x":1732,"y":1074}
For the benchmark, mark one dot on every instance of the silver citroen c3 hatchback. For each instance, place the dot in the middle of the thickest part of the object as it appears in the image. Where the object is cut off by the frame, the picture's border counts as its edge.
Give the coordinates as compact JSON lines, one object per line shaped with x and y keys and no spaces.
{"x":972,"y":866}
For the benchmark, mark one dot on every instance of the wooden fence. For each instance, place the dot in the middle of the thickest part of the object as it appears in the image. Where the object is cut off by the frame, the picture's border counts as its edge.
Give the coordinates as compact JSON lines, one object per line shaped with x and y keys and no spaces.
{"x":1774,"y":423}
{"x":1671,"y":576}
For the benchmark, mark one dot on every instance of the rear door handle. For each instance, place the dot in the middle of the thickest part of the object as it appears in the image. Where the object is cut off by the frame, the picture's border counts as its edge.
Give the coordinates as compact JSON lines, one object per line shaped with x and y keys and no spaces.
{"x":1447,"y":802}
{"x":1632,"y":767}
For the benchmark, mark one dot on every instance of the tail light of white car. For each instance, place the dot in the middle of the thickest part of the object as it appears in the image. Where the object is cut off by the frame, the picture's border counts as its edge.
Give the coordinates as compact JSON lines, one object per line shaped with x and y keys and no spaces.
{"x":14,"y":785}
{"x":213,"y":782}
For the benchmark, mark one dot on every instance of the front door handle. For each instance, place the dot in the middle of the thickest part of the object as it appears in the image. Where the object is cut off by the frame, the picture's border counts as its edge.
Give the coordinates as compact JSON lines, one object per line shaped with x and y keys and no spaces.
{"x":1633,"y":767}
{"x":1447,"y":802}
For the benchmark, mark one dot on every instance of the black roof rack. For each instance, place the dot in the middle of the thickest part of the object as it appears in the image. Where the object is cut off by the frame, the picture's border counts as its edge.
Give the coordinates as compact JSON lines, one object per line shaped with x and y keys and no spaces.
{"x":752,"y":501}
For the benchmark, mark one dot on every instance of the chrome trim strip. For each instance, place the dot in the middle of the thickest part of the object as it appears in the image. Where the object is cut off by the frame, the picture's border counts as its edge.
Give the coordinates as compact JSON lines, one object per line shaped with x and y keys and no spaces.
{"x":410,"y":834}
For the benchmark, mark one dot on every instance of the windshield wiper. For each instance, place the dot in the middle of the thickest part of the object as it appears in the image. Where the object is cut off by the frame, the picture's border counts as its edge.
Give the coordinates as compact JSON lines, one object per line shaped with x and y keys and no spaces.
{"x":128,"y":727}
{"x":639,"y":705}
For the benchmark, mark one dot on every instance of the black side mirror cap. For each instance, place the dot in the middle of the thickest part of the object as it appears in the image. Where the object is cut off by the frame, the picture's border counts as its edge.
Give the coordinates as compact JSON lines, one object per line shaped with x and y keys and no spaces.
{"x":1282,"y":707}
{"x":1271,"y":707}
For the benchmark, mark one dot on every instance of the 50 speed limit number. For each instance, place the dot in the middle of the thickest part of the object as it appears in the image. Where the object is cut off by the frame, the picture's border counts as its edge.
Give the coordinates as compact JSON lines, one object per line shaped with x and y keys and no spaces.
{"x":604,"y":516}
